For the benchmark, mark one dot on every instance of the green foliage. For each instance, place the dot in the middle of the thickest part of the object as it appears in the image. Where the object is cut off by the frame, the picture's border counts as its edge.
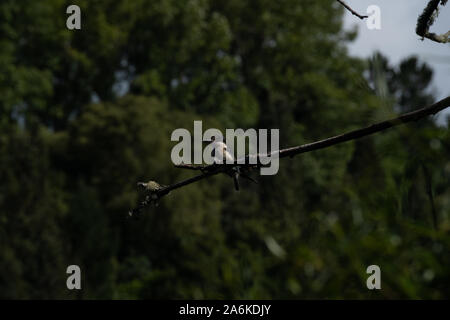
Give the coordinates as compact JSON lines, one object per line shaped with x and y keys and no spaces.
{"x":73,"y":144}
{"x":33,"y":208}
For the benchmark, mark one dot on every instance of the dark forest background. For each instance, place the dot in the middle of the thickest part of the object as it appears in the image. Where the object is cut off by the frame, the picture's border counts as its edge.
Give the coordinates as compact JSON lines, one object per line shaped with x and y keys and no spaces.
{"x":86,"y":114}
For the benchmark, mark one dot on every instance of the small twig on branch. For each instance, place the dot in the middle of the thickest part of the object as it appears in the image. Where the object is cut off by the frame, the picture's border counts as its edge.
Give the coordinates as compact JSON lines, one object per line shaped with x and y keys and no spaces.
{"x":346,"y":6}
{"x":426,"y":20}
{"x":210,"y":170}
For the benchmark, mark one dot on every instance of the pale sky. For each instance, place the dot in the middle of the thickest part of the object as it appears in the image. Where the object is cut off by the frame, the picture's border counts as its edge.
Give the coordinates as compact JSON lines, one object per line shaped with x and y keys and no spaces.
{"x":397,"y":38}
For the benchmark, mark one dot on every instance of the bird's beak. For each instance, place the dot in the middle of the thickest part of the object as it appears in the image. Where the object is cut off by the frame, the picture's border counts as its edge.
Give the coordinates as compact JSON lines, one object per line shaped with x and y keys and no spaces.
{"x":141,"y":185}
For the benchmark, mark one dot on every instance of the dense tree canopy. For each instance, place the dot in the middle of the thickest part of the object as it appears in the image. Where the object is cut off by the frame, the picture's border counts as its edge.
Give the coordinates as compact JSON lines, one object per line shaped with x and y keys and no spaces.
{"x":86,"y":114}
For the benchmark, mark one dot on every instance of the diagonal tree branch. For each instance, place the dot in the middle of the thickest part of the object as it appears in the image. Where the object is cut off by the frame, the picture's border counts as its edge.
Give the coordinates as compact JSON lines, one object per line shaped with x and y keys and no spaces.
{"x":353,"y":12}
{"x":381,"y":126}
{"x":210,"y":170}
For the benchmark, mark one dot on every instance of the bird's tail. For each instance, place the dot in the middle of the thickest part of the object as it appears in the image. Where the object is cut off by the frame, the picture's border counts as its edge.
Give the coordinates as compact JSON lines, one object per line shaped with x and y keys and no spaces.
{"x":236,"y":180}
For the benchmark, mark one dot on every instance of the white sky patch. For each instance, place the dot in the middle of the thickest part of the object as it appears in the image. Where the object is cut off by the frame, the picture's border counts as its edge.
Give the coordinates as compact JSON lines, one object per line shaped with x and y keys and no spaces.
{"x":397,"y":38}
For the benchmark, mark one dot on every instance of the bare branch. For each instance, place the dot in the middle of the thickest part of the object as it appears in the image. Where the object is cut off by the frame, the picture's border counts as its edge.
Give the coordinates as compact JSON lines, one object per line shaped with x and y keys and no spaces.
{"x":166,"y":190}
{"x":353,"y":12}
{"x":356,"y":134}
{"x":190,"y":166}
{"x":210,"y":170}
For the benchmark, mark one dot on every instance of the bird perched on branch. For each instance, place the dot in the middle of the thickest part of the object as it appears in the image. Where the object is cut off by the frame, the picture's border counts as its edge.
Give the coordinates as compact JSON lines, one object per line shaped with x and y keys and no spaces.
{"x":220,"y":152}
{"x":222,"y":156}
{"x":210,"y":170}
{"x":152,"y":187}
